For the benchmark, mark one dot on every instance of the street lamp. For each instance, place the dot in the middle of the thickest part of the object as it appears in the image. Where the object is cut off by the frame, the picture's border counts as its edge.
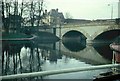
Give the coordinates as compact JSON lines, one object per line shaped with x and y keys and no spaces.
{"x":111,"y":10}
{"x":119,"y":9}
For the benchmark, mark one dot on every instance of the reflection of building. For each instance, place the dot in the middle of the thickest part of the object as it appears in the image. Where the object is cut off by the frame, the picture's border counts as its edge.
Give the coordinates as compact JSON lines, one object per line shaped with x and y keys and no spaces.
{"x":53,"y":17}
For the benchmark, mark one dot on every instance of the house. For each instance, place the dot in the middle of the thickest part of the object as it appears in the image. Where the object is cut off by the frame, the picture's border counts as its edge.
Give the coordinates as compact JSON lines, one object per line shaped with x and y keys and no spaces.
{"x":53,"y":17}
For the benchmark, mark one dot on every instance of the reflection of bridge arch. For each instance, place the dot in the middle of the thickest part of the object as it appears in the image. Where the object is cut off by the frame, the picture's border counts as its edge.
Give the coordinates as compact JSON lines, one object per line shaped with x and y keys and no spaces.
{"x":104,"y":30}
{"x":88,"y":55}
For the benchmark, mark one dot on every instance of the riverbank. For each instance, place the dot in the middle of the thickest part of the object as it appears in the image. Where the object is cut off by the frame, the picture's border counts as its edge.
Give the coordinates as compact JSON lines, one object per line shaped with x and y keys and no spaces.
{"x":38,"y":36}
{"x":45,"y":37}
{"x":16,"y":36}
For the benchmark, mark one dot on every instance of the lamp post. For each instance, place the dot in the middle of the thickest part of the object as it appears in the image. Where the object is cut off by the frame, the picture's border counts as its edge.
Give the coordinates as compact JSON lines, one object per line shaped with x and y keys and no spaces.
{"x":111,"y":10}
{"x":119,"y":9}
{"x":119,"y":13}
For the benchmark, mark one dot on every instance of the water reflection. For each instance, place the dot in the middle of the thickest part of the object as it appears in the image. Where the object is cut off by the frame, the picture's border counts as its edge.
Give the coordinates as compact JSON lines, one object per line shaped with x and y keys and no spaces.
{"x":104,"y":50}
{"x":74,"y":45}
{"x":31,"y":56}
{"x":25,"y":56}
{"x":11,"y":59}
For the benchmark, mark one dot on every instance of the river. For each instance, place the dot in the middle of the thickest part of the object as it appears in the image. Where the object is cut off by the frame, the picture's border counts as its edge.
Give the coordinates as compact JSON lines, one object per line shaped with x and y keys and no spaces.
{"x":31,"y":56}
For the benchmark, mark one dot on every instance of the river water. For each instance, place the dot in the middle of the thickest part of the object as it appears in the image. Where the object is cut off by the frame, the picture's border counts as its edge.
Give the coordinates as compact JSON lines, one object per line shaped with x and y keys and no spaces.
{"x":31,"y":56}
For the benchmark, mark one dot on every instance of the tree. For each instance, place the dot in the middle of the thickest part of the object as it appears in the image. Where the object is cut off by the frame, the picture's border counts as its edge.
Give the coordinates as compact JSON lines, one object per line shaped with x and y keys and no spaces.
{"x":68,"y":16}
{"x":40,"y":9}
{"x":5,"y":13}
{"x":31,"y":13}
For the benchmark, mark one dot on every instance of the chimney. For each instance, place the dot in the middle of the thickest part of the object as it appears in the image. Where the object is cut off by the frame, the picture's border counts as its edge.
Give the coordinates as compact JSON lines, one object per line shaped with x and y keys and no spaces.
{"x":45,"y":11}
{"x":57,"y":9}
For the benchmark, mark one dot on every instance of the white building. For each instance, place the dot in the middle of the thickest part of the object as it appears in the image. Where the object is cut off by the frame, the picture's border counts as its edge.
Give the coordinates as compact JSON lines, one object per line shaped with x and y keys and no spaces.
{"x":53,"y":17}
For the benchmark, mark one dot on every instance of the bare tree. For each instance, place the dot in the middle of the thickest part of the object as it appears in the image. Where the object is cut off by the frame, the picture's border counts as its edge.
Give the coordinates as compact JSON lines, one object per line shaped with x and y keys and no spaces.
{"x":31,"y":12}
{"x":5,"y":15}
{"x":40,"y":9}
{"x":68,"y":15}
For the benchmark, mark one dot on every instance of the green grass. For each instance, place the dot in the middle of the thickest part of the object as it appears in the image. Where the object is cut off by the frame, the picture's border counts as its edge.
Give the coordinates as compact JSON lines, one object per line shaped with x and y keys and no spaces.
{"x":15,"y":35}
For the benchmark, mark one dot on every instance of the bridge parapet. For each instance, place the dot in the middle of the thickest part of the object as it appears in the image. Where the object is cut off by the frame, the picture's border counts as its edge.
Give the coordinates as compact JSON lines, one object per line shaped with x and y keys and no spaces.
{"x":87,"y":24}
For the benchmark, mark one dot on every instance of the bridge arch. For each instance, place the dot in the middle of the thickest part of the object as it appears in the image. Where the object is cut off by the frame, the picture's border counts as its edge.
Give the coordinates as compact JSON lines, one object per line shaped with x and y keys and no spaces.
{"x":109,"y":29}
{"x":73,"y":33}
{"x":65,"y":30}
{"x":74,"y":40}
{"x":89,"y":31}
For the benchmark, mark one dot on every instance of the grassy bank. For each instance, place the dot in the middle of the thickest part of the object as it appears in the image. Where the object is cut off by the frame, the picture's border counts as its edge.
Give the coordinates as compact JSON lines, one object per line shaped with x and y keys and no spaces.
{"x":46,"y":37}
{"x":15,"y":35}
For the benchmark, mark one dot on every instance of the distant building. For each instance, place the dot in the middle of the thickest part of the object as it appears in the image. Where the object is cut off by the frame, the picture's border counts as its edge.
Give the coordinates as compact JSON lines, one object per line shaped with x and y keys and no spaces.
{"x":53,"y":17}
{"x":76,"y":21}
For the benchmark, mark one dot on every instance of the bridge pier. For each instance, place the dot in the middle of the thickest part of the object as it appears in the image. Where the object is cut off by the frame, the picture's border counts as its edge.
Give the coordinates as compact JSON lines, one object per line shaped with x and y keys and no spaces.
{"x":89,"y":42}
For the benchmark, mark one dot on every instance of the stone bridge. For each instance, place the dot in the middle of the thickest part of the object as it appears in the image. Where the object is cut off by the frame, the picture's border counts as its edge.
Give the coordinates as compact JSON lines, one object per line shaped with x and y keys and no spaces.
{"x":89,"y":31}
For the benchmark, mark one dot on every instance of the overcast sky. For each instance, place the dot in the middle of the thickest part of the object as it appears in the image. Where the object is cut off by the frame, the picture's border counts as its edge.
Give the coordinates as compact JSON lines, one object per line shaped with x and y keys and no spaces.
{"x":85,"y":9}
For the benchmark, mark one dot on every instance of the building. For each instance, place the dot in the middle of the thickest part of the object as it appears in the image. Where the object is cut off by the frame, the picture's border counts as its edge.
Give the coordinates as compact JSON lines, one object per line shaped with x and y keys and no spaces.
{"x":76,"y":21}
{"x":53,"y":17}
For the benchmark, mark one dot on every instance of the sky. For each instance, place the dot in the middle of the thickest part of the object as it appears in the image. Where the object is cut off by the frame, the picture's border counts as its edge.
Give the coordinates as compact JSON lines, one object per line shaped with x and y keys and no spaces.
{"x":85,"y":9}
